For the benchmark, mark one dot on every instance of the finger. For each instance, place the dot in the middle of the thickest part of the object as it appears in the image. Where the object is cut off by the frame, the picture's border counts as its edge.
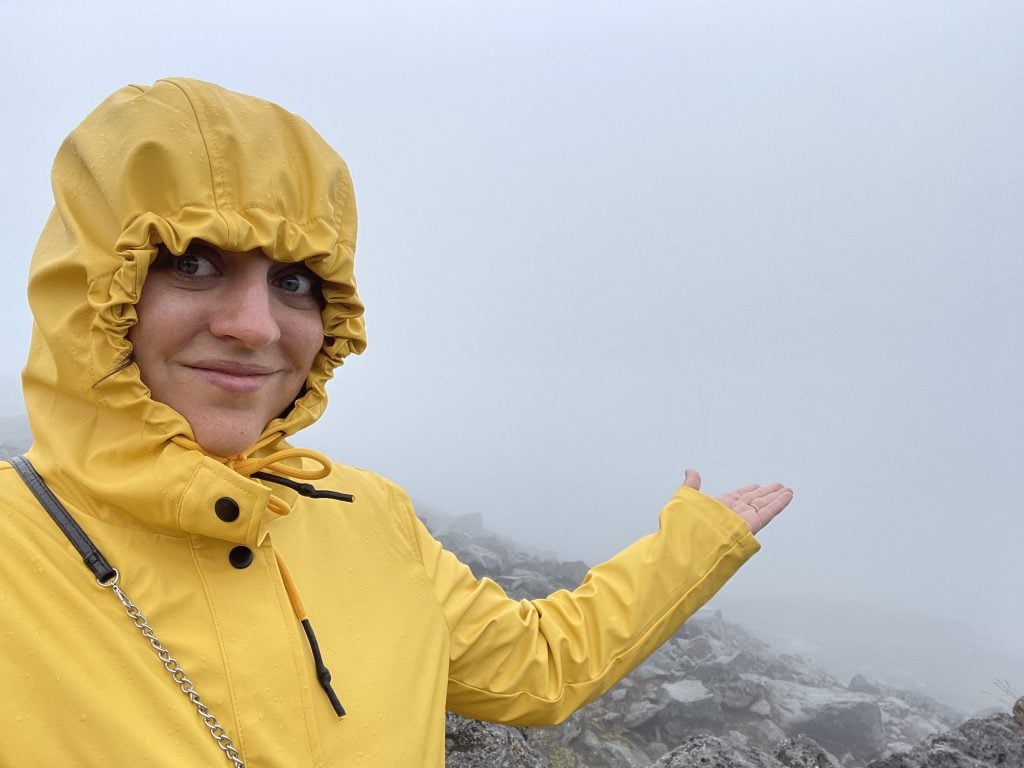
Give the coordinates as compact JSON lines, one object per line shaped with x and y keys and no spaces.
{"x":756,"y":492}
{"x":733,"y":498}
{"x":746,"y":489}
{"x":760,"y":511}
{"x":779,"y":497}
{"x":772,"y":505}
{"x":692,"y":479}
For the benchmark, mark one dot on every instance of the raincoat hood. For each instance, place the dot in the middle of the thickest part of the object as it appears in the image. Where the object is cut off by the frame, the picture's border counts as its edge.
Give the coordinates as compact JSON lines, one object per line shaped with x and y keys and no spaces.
{"x":181,"y":160}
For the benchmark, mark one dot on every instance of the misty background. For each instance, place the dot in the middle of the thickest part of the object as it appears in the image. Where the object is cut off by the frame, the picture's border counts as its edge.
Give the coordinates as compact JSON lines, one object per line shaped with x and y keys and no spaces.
{"x":601,"y":242}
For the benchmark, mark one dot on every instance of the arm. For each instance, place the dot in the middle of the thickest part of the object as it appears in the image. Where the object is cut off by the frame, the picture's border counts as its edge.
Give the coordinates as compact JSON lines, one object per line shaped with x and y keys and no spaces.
{"x":535,"y":662}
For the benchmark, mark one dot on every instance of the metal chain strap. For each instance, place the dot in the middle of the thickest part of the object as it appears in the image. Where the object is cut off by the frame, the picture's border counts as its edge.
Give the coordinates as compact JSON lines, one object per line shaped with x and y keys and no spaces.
{"x":177,"y":673}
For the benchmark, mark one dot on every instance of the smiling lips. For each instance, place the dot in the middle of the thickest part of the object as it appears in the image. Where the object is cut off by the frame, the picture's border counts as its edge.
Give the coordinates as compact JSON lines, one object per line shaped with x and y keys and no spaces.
{"x":232,"y":377}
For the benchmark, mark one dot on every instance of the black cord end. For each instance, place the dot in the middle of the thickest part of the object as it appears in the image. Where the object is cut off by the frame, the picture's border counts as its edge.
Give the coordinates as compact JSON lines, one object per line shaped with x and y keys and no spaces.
{"x":304,"y":489}
{"x":323,"y":674}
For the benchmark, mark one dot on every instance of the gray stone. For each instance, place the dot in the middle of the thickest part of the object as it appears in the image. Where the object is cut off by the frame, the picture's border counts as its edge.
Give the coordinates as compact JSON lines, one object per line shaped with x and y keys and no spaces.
{"x":761,"y":707}
{"x":992,"y":741}
{"x":741,"y":694}
{"x":472,"y":744}
{"x":656,"y":749}
{"x":840,"y":721}
{"x":802,"y":752}
{"x":686,"y":705}
{"x":714,"y":752}
{"x":687,"y":691}
{"x":640,"y":712}
{"x":767,"y":732}
{"x":853,"y":727}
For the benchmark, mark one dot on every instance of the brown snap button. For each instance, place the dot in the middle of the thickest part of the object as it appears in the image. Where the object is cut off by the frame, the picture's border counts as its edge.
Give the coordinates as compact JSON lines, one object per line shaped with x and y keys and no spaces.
{"x":226,"y":509}
{"x":240,"y":557}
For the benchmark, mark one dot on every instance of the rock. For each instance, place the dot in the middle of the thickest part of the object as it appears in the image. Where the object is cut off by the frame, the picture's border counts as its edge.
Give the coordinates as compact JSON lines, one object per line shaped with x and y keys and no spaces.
{"x":640,"y":712}
{"x":689,"y":702}
{"x":668,"y":661}
{"x":472,"y":744}
{"x":862,"y":684}
{"x":687,"y":692}
{"x":761,"y":707}
{"x":841,"y":721}
{"x":992,"y":741}
{"x":803,"y":752}
{"x":742,"y":694}
{"x":686,"y":704}
{"x":656,"y":749}
{"x":591,"y":738}
{"x":612,"y":753}
{"x":697,"y":649}
{"x":714,"y":752}
{"x":942,"y":716}
{"x":767,"y":732}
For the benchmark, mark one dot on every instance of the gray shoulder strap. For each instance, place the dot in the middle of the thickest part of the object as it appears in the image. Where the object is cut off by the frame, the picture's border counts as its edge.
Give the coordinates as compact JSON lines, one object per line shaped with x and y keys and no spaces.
{"x":93,"y":558}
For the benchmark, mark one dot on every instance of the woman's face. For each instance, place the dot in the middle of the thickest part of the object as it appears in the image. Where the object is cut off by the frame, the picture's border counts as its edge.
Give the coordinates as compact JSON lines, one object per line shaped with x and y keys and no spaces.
{"x":227,"y":339}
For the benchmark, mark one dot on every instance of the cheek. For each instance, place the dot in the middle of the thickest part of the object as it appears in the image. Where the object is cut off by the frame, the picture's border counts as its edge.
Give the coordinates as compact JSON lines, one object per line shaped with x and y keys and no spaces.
{"x":307,"y":339}
{"x":151,"y":330}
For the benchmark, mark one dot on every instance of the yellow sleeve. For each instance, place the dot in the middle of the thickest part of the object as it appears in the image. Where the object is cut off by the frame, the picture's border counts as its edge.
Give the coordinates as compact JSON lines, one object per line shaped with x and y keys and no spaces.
{"x":534,"y":662}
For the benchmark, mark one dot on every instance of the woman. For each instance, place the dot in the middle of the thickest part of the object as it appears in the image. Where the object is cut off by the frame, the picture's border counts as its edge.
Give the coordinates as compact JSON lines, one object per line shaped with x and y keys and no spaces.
{"x":193,"y":293}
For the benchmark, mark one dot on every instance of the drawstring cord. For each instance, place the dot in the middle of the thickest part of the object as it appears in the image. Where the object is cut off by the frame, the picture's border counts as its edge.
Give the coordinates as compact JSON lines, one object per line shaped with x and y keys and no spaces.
{"x":323,"y":674}
{"x":253,"y":467}
{"x":304,"y":489}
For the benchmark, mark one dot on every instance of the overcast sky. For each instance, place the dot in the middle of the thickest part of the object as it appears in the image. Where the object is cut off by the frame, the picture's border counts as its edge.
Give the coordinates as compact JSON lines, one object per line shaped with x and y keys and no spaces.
{"x":603,"y":241}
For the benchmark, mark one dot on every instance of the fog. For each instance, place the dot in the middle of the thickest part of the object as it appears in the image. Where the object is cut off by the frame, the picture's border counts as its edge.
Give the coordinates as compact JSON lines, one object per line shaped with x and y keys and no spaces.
{"x":601,"y":242}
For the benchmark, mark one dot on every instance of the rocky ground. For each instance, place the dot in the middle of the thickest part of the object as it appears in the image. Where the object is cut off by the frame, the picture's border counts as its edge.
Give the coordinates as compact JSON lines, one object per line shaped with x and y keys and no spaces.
{"x":715,"y":695}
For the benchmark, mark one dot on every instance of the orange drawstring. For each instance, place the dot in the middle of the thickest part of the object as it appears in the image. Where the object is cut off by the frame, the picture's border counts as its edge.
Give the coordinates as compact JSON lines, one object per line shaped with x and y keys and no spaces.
{"x":290,"y":588}
{"x":246,"y":466}
{"x":323,"y":674}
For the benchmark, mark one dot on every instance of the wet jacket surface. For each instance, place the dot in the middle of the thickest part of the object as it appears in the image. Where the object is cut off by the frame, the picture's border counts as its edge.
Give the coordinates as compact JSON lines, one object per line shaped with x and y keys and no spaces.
{"x":405,"y":628}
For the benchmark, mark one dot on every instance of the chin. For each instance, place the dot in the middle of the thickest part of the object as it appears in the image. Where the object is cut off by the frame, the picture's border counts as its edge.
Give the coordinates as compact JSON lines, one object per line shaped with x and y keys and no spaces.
{"x":227,"y":442}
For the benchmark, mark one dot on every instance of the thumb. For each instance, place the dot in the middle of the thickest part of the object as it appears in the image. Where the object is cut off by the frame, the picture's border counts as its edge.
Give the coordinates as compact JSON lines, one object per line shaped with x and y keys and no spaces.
{"x":692,"y":479}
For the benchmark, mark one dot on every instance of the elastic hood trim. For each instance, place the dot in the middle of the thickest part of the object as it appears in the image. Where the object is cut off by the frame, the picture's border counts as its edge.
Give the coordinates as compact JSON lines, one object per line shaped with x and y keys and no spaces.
{"x":164,"y":165}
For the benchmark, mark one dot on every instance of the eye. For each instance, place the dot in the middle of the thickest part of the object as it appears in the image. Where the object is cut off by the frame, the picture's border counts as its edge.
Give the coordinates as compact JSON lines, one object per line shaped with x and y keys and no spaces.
{"x":299,"y":283}
{"x":195,"y":262}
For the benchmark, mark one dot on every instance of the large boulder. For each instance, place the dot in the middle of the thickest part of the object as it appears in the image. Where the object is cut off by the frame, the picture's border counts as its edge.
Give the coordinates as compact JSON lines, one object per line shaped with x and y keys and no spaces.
{"x":979,"y":743}
{"x":841,"y":721}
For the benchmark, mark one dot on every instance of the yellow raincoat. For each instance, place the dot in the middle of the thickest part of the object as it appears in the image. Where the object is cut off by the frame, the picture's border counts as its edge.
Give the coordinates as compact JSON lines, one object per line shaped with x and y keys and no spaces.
{"x":223,"y":565}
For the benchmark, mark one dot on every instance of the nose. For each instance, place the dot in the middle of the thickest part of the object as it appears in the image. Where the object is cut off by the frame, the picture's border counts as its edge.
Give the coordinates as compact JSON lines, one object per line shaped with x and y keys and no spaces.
{"x":247,"y":313}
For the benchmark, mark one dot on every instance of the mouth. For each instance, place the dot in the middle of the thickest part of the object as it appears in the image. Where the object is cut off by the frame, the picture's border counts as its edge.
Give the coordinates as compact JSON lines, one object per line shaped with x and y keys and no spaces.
{"x":237,"y":378}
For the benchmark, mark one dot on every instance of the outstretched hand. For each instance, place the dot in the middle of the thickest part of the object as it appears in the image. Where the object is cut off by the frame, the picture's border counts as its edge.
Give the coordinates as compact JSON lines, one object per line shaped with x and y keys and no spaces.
{"x":756,"y":504}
